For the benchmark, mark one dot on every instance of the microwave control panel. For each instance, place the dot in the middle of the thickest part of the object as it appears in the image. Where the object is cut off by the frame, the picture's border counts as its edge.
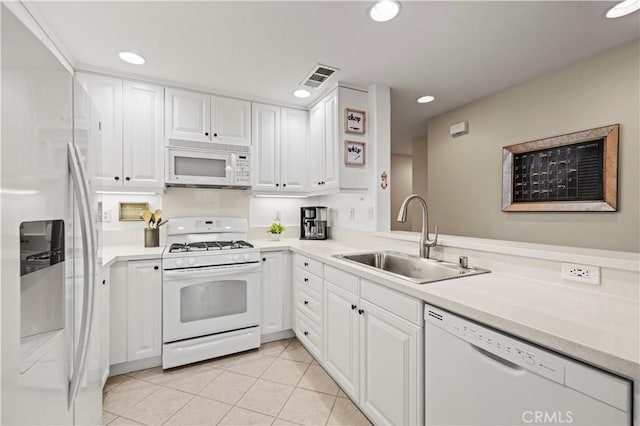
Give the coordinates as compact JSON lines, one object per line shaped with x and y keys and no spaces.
{"x":242,"y":170}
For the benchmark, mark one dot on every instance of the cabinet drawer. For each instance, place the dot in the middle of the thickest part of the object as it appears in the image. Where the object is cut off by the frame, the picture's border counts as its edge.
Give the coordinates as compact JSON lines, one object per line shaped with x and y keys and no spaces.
{"x":308,"y":280}
{"x":309,"y":265}
{"x":342,"y":279}
{"x":310,"y":303}
{"x":401,"y":305}
{"x":309,"y":335}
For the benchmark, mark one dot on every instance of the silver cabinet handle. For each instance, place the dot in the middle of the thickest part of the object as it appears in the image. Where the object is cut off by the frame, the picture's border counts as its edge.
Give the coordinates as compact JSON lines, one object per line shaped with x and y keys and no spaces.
{"x":80,"y":190}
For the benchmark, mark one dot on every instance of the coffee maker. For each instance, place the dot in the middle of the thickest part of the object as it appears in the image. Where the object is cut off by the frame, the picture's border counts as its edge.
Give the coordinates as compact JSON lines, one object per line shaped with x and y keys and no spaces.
{"x":313,"y":223}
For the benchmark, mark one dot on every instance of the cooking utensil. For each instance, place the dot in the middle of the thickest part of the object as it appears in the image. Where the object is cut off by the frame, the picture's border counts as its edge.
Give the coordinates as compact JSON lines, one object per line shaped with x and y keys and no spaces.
{"x":162,"y":223}
{"x":146,"y":215}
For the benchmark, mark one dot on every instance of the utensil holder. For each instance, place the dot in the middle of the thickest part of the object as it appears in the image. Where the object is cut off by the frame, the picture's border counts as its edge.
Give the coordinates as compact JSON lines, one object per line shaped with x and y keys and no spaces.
{"x":152,"y":237}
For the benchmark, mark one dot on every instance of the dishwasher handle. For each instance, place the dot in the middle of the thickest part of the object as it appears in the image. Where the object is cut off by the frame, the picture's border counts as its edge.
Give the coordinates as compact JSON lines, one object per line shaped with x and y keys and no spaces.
{"x":512,"y":367}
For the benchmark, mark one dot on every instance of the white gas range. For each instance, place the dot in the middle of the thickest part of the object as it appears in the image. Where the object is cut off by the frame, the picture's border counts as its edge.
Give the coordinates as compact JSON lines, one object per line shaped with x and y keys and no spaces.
{"x":211,"y":290}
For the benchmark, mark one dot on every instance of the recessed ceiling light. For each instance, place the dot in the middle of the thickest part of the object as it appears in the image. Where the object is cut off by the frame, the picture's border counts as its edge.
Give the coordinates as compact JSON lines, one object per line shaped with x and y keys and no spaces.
{"x":301,"y":93}
{"x":384,"y":10}
{"x":132,"y":58}
{"x":425,"y":99}
{"x":623,"y":8}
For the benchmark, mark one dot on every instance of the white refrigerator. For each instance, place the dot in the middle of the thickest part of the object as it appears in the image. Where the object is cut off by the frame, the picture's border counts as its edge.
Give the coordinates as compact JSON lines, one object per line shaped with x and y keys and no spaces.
{"x":49,"y":240}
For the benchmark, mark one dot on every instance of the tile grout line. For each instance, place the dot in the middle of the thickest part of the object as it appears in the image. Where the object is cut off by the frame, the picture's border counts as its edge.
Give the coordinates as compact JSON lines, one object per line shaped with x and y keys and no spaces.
{"x":226,"y":369}
{"x":296,"y":386}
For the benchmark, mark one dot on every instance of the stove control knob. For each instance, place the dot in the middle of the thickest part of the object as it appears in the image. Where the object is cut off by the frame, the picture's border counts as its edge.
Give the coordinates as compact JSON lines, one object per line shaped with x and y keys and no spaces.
{"x":191,"y":261}
{"x":246,"y":257}
{"x":179,"y":262}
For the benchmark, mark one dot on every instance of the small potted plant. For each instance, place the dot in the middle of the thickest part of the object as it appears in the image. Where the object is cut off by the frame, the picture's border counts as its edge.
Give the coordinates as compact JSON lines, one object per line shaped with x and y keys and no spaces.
{"x":275,"y":230}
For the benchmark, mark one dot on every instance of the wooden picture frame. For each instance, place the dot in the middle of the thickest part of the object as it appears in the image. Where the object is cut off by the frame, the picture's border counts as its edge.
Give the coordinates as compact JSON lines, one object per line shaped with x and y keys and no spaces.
{"x":355,"y":121}
{"x":602,"y":142}
{"x":354,"y":153}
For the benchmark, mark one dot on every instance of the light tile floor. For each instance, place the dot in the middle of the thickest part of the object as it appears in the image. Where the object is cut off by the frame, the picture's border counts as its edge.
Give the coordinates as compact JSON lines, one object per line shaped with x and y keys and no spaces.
{"x":278,"y":384}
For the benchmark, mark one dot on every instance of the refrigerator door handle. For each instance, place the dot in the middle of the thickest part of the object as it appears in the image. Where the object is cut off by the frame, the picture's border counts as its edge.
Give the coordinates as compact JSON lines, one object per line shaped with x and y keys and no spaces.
{"x":89,"y":264}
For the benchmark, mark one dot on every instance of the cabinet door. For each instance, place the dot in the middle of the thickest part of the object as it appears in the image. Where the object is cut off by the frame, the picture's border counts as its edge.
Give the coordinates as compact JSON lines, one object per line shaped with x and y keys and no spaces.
{"x":143,"y":136}
{"x":266,"y":147}
{"x":272,"y":292}
{"x":391,"y":367}
{"x":316,"y":147}
{"x":341,"y":337}
{"x":230,"y":121}
{"x":330,"y":143}
{"x":187,"y":115}
{"x":144,"y":314}
{"x":293,"y":150}
{"x":105,"y":295}
{"x":106,"y":94}
{"x":118,"y":308}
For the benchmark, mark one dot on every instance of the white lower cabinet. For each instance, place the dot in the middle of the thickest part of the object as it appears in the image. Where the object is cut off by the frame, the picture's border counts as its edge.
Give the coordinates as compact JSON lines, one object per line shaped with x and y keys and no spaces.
{"x":136,"y":310}
{"x":371,"y":351}
{"x":309,"y":304}
{"x":275,"y":289}
{"x":341,"y":338}
{"x":391,"y":368}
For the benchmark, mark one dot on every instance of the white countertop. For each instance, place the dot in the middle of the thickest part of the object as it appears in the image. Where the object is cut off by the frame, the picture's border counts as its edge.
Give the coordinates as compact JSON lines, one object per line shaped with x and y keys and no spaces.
{"x":597,"y":328}
{"x":111,"y":254}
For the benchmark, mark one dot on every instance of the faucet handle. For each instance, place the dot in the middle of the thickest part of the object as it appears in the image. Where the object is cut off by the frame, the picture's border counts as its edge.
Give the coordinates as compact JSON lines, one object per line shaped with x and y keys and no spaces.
{"x":432,"y":243}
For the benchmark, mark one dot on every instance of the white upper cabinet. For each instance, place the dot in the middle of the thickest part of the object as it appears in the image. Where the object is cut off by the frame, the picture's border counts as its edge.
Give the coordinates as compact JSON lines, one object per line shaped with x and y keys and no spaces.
{"x":106,"y":94}
{"x":266,"y":149}
{"x":200,"y":117}
{"x":230,"y":121}
{"x":143,"y":137}
{"x":279,"y":148}
{"x":187,"y":115}
{"x":132,"y":153}
{"x":293,"y":150}
{"x":324,"y":144}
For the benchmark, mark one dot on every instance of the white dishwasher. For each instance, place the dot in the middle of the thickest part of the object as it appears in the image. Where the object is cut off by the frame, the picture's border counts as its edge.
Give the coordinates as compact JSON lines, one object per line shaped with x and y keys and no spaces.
{"x":475,"y":375}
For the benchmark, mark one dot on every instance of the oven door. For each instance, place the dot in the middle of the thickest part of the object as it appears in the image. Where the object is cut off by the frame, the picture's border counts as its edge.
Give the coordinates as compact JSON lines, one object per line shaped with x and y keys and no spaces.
{"x":186,"y":167}
{"x":202,"y":301}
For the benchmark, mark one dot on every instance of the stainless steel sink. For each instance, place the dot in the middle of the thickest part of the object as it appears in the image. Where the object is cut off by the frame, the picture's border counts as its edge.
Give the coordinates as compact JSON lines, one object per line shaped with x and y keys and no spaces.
{"x":415,"y":269}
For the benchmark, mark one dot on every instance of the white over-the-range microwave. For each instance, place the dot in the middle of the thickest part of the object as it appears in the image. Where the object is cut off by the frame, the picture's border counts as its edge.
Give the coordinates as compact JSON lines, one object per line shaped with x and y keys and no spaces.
{"x":205,"y":164}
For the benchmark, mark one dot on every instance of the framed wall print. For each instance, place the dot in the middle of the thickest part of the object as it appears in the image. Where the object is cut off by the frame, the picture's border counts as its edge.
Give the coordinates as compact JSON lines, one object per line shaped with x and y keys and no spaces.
{"x":572,"y":172}
{"x":354,"y":153}
{"x":354,"y":121}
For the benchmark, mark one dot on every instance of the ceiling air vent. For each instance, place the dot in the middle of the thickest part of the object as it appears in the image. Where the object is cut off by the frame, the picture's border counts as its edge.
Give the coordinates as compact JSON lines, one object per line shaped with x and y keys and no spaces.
{"x":318,"y":76}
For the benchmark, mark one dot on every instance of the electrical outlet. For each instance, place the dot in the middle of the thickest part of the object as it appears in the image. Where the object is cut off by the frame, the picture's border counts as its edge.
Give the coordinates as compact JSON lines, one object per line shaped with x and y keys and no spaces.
{"x":278,"y":215}
{"x":106,"y":215}
{"x":370,"y":213}
{"x":352,"y":214}
{"x":582,"y":273}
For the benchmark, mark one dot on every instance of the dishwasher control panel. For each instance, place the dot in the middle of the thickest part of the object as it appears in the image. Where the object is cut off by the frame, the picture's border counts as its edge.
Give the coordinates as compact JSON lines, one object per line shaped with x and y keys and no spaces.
{"x":498,"y":344}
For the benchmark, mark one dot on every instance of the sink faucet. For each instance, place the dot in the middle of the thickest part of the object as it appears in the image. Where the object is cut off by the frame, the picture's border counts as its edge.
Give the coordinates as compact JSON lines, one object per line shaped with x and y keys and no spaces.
{"x":425,"y":243}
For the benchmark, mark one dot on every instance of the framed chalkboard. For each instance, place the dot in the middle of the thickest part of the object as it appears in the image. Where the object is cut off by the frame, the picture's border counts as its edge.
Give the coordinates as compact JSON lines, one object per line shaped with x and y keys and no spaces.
{"x":573,"y":172}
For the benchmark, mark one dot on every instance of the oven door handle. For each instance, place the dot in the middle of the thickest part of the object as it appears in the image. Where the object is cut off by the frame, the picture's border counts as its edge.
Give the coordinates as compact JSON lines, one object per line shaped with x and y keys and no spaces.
{"x":215,"y":271}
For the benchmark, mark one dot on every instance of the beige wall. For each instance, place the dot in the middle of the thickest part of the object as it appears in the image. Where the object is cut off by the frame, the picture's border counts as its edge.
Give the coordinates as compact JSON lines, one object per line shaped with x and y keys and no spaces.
{"x":464,"y":182}
{"x":400,"y":186}
{"x":419,"y":181}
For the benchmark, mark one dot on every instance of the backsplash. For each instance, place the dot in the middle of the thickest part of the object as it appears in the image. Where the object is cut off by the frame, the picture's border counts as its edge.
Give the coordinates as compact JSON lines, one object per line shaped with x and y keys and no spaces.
{"x":182,"y":202}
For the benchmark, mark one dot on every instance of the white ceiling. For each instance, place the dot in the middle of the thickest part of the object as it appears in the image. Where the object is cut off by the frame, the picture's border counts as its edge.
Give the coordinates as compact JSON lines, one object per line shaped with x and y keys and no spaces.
{"x":456,"y":51}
